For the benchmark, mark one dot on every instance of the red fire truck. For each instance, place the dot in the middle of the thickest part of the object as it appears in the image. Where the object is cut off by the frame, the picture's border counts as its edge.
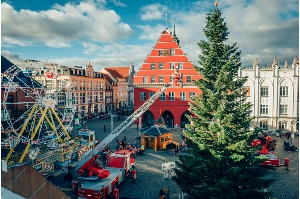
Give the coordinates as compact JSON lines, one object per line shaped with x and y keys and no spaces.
{"x":120,"y":165}
{"x":266,"y":142}
{"x":268,"y":145}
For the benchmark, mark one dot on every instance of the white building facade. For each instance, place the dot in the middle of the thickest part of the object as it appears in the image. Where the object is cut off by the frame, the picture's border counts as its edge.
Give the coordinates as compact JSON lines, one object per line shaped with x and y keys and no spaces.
{"x":274,"y":93}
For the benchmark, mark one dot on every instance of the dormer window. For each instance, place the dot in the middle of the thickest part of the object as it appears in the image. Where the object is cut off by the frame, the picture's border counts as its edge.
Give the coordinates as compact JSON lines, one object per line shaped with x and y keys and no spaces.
{"x":152,"y":66}
{"x":160,"y":52}
{"x":172,"y":52}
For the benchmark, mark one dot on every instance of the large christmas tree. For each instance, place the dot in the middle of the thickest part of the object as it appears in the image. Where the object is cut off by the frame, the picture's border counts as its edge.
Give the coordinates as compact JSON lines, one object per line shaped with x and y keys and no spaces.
{"x":221,"y":162}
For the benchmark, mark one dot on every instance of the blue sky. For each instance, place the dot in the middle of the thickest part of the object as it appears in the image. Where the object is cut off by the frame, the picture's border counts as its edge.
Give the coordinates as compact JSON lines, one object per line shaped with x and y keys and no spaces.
{"x":119,"y":32}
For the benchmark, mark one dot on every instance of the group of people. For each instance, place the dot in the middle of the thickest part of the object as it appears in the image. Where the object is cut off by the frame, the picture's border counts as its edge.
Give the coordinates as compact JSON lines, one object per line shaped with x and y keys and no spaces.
{"x":68,"y":175}
{"x":122,"y":144}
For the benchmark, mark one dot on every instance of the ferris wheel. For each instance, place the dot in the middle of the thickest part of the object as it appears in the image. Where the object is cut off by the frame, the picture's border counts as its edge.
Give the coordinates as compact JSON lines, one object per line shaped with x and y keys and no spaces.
{"x":36,"y":108}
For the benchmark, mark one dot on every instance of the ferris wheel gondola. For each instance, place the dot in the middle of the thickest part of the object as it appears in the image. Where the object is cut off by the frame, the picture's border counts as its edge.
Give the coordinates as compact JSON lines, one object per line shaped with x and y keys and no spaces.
{"x":36,"y":101}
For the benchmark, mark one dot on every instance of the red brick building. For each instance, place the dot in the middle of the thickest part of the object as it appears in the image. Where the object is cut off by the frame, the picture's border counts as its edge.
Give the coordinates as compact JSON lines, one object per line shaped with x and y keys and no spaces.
{"x":155,"y":72}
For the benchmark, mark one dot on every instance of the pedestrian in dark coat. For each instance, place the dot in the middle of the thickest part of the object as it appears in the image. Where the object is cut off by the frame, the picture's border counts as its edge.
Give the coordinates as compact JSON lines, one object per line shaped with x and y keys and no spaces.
{"x":176,"y":150}
{"x":69,"y":178}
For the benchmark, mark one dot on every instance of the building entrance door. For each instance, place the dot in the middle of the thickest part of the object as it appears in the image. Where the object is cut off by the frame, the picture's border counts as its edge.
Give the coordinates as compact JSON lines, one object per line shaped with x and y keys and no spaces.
{"x":150,"y":142}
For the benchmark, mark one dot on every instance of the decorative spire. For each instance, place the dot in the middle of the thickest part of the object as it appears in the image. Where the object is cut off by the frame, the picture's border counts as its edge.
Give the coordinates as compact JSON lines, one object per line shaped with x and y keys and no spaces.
{"x":295,"y":62}
{"x":166,"y":21}
{"x":275,"y":62}
{"x":256,"y":62}
{"x":286,"y":64}
{"x":174,"y":34}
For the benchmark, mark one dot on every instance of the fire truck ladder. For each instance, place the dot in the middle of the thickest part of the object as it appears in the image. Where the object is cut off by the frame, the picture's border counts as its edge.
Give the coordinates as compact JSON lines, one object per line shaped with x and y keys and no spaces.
{"x":121,"y":127}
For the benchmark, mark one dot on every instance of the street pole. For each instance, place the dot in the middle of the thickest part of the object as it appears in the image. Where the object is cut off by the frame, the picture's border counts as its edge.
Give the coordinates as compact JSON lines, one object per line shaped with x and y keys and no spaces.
{"x":293,"y":134}
{"x":112,"y":122}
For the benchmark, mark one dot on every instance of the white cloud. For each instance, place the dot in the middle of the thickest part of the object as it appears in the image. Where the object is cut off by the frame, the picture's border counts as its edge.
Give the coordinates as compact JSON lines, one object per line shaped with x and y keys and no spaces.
{"x":12,"y":57}
{"x":262,"y":29}
{"x":153,"y":12}
{"x":119,"y":3}
{"x":62,"y":24}
{"x":116,"y":54}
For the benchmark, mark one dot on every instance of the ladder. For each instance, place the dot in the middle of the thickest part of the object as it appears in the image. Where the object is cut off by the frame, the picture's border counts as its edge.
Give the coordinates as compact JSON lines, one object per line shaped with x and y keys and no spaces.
{"x":121,"y":128}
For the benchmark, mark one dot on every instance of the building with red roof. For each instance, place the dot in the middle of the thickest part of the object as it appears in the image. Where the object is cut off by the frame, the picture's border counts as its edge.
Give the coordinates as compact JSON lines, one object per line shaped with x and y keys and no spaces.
{"x":119,"y":76}
{"x":156,"y":72}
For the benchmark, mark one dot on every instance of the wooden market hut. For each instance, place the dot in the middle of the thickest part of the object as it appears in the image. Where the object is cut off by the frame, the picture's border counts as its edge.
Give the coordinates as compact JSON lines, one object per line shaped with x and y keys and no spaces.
{"x":156,"y":137}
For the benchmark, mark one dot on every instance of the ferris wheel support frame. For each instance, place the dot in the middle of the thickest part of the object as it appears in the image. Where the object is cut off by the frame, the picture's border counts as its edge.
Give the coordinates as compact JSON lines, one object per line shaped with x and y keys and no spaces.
{"x":33,"y":135}
{"x":21,"y":133}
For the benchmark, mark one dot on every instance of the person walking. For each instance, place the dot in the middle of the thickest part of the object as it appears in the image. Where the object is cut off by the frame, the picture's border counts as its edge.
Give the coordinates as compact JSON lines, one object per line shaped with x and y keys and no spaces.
{"x":69,"y":178}
{"x":104,"y":157}
{"x":176,"y":150}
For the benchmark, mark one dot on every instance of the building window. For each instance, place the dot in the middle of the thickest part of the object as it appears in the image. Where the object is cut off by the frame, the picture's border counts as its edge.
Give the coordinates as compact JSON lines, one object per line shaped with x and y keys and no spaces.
{"x":161,"y":65}
{"x":171,"y":96}
{"x":263,"y":109}
{"x":89,"y":85}
{"x":101,"y":96}
{"x":161,"y":79}
{"x":191,"y":95}
{"x":172,"y":65}
{"x":263,"y":125}
{"x":282,"y":125}
{"x":172,"y":52}
{"x":160,"y":52}
{"x":82,"y":85}
{"x":143,"y":96}
{"x":60,"y":83}
{"x":246,"y":90}
{"x":49,"y":84}
{"x":145,"y":79}
{"x":95,"y":96}
{"x":152,"y":79}
{"x":151,"y":94}
{"x":90,"y":97}
{"x":152,"y":66}
{"x":61,"y":99}
{"x":180,"y":65}
{"x":96,"y":85}
{"x":188,"y":79}
{"x":284,"y":91}
{"x":163,"y":97}
{"x":82,"y":98}
{"x":283,"y":109}
{"x":264,"y":91}
{"x":182,"y":96}
{"x":75,"y":98}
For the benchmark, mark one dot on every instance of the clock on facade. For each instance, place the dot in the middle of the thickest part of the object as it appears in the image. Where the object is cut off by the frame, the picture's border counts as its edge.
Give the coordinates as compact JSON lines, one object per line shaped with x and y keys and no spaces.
{"x":166,"y":52}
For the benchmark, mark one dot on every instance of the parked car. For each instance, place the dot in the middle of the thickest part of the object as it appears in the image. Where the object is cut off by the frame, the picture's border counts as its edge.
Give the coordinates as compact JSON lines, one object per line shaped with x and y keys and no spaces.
{"x":283,"y":133}
{"x":273,"y":160}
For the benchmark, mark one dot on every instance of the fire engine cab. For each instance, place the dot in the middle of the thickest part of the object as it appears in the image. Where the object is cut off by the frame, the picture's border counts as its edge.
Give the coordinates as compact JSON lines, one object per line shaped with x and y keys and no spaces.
{"x":120,"y":165}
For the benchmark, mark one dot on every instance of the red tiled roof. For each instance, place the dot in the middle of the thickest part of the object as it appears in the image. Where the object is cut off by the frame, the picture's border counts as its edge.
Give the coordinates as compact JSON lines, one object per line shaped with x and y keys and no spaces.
{"x":107,"y":77}
{"x":118,"y":72}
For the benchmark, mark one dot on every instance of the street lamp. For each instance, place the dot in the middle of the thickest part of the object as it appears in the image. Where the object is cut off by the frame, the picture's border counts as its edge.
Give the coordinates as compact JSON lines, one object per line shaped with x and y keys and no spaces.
{"x":112,"y":122}
{"x":292,"y":129}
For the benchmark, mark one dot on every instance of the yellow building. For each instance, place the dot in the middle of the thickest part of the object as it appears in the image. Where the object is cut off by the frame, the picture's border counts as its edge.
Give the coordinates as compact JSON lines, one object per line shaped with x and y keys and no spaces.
{"x":89,"y":92}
